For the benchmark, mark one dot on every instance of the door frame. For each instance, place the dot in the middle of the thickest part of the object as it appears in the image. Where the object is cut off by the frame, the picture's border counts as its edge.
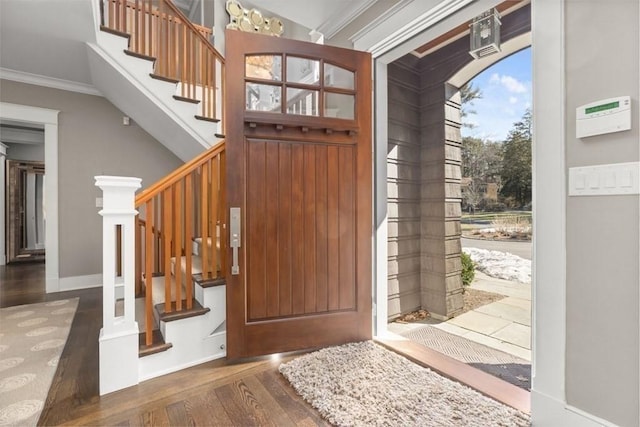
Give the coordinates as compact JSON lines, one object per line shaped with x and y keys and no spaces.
{"x":411,"y":24}
{"x":49,"y":119}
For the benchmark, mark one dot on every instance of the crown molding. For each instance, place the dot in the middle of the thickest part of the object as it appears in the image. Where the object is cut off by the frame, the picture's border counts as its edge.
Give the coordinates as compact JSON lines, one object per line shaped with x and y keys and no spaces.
{"x":344,"y":17}
{"x":420,"y":23}
{"x":51,"y":82}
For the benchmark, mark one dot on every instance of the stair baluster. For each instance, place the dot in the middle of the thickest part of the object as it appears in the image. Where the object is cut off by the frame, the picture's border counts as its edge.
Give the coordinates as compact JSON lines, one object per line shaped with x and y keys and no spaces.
{"x":171,"y":213}
{"x":182,"y":50}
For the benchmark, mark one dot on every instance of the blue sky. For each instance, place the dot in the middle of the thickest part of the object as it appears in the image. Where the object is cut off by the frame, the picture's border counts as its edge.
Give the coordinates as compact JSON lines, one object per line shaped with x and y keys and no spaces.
{"x":506,"y":94}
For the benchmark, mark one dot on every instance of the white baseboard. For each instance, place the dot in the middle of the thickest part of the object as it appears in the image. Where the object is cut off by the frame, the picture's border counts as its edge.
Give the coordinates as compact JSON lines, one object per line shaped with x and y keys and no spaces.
{"x":79,"y":282}
{"x":547,"y":411}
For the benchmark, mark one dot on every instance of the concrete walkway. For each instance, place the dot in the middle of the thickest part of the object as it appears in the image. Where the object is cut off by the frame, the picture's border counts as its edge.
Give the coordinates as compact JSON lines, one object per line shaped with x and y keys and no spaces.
{"x":504,"y":325}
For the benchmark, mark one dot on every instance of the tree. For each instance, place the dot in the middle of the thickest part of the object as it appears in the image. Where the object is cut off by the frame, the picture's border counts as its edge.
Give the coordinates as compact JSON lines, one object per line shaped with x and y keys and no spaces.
{"x":516,"y":164}
{"x":468,"y":93}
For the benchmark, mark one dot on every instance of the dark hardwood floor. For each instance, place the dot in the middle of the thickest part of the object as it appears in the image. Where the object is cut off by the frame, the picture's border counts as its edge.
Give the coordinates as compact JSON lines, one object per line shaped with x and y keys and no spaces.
{"x":252,"y":393}
{"x":216,"y":393}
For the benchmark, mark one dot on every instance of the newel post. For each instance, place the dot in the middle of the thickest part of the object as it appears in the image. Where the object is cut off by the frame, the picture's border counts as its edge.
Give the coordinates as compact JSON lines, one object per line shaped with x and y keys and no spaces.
{"x":119,"y":334}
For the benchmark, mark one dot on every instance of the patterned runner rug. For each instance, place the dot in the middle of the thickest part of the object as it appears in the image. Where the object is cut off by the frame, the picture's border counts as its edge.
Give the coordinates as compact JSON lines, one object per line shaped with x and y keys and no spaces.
{"x":32,"y":338}
{"x":363,"y":384}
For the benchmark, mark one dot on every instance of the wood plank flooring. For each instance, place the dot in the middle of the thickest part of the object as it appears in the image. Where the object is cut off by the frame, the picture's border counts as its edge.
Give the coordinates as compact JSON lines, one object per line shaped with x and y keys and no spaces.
{"x":217,"y":393}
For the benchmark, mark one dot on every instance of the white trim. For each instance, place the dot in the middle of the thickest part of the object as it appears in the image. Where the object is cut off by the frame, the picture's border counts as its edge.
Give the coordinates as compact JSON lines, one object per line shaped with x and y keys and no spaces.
{"x":549,"y":203}
{"x":52,"y":82}
{"x":440,"y":11}
{"x":552,"y":412}
{"x":377,"y":22}
{"x":343,"y":17}
{"x":48,"y":118}
{"x":381,"y":282}
{"x":3,"y":157}
{"x":80,"y":282}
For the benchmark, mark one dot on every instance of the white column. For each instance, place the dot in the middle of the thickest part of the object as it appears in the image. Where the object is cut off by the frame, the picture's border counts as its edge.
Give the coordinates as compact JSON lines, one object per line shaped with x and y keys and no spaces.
{"x":119,"y":335}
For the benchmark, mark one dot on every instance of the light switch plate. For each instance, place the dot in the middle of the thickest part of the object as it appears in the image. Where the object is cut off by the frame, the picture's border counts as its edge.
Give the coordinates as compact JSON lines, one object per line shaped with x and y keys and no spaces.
{"x":613,"y":179}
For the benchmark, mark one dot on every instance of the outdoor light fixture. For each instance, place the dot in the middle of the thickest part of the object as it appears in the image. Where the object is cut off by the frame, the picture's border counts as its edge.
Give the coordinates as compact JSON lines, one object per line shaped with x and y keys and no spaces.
{"x":485,"y":34}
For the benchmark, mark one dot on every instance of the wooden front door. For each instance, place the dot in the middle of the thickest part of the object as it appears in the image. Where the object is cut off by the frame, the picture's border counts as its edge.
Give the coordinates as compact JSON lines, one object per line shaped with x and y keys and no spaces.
{"x":299,"y":149}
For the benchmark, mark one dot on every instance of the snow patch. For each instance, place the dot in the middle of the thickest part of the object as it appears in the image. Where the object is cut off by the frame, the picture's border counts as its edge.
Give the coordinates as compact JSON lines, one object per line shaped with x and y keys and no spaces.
{"x":502,"y":265}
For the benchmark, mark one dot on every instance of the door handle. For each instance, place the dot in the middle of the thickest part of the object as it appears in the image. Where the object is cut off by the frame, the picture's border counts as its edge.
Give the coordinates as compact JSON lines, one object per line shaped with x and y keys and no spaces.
{"x":235,"y":238}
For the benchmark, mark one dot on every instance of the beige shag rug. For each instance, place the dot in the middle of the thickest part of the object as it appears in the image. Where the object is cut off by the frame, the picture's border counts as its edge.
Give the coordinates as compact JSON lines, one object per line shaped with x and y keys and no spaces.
{"x":32,"y":338}
{"x":363,"y":384}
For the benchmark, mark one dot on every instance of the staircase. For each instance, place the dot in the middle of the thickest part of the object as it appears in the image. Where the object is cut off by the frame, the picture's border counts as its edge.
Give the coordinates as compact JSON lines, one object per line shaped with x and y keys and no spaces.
{"x":163,"y":267}
{"x":161,"y":70}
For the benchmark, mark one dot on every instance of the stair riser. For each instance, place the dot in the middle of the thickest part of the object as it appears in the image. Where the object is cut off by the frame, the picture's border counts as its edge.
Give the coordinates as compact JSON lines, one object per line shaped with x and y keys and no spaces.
{"x":182,"y":355}
{"x":215,"y":299}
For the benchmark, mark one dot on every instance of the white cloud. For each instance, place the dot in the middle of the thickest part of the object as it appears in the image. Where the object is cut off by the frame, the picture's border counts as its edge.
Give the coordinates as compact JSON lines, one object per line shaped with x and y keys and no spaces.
{"x":510,"y":83}
{"x":513,"y":100}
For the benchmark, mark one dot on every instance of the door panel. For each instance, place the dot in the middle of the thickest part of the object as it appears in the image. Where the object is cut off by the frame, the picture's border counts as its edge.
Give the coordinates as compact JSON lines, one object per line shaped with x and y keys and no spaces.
{"x":301,"y":174}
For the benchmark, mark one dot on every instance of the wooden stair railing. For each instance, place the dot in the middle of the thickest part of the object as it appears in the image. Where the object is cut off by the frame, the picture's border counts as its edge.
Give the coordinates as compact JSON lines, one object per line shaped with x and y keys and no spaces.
{"x":184,"y":205}
{"x":182,"y":50}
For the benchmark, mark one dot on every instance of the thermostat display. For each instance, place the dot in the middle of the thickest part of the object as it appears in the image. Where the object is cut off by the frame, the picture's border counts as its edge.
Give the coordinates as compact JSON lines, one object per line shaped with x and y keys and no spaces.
{"x":605,"y":116}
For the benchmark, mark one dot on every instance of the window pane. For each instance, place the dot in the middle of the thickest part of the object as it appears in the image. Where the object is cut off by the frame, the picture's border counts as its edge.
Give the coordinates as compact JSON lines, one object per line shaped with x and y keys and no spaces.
{"x":268,"y":67}
{"x":303,"y":70}
{"x":338,"y":77}
{"x":303,"y":102}
{"x":339,"y":105}
{"x":263,"y":97}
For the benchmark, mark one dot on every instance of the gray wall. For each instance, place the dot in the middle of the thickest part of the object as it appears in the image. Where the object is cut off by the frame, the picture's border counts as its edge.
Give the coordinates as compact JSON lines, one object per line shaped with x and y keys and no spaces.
{"x":403,"y":187}
{"x":91,"y":141}
{"x":602,"y":232}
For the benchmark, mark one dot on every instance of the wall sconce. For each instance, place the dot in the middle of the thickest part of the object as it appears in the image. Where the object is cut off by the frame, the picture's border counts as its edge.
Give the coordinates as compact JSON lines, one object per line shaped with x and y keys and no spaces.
{"x":252,"y":21}
{"x":485,"y":34}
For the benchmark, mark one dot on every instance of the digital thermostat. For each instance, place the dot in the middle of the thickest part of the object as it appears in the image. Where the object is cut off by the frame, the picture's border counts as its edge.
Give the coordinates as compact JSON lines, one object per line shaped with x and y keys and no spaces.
{"x":605,"y":116}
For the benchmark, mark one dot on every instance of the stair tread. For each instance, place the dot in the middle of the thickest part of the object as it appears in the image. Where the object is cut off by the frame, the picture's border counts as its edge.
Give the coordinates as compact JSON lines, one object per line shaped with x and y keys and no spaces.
{"x":207,"y":119}
{"x":195,"y":310}
{"x":114,"y":32}
{"x":209,"y":283}
{"x":186,"y":99}
{"x":158,"y":345}
{"x":163,"y":78}
{"x":139,"y":55}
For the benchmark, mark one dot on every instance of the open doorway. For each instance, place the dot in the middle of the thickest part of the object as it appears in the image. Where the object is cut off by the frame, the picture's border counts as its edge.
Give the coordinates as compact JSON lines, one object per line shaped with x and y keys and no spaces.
{"x":23,"y":185}
{"x":26,"y":215}
{"x":424,"y":173}
{"x":491,"y":330}
{"x":45,"y":123}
